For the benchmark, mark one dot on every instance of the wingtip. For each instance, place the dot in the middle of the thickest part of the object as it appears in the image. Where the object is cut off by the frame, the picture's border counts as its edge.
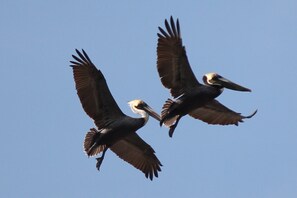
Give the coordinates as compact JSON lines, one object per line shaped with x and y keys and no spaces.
{"x":254,"y":113}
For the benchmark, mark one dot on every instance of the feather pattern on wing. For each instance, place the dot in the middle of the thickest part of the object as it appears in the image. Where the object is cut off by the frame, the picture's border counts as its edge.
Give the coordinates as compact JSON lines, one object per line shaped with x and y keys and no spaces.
{"x":93,"y":91}
{"x":172,"y":62}
{"x":216,"y":113}
{"x":138,"y":153}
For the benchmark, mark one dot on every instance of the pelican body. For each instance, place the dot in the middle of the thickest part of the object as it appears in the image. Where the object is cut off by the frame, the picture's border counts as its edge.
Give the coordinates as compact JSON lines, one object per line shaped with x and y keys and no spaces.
{"x":190,"y":96}
{"x":116,"y":131}
{"x":195,"y":97}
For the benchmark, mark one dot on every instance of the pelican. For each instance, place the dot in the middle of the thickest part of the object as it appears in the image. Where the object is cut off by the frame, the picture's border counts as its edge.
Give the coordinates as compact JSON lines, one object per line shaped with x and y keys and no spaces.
{"x":116,"y":131}
{"x":190,"y":96}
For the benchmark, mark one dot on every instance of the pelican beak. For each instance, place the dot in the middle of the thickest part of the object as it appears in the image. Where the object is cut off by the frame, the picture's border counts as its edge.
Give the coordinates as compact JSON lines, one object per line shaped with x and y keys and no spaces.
{"x":151,"y":112}
{"x":231,"y":85}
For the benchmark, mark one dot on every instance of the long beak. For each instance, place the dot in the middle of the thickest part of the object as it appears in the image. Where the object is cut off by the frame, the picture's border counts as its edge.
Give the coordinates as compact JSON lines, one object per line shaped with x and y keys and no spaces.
{"x":151,"y":112}
{"x":231,"y":85}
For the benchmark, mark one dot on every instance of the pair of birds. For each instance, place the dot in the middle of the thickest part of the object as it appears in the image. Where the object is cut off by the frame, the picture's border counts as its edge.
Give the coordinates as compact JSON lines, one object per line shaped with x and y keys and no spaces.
{"x":117,"y":131}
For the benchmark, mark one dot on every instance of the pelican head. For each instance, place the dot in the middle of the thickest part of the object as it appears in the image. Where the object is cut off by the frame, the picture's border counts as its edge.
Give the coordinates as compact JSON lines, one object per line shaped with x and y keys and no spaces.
{"x":214,"y":79}
{"x":140,"y":107}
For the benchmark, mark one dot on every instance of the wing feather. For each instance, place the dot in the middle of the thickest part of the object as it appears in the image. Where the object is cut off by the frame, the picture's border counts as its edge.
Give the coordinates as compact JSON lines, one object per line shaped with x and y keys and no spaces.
{"x":93,"y":91}
{"x":172,"y":63}
{"x":216,"y":113}
{"x":138,"y":153}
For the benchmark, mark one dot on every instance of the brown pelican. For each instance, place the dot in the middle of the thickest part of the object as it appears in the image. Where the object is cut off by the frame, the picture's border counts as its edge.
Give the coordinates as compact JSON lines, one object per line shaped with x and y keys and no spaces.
{"x":190,"y":97}
{"x":116,"y":131}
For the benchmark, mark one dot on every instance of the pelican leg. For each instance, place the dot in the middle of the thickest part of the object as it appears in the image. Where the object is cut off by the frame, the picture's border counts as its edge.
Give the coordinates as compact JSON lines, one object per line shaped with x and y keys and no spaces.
{"x":172,"y":127}
{"x":100,"y":159}
{"x":94,"y":130}
{"x":162,"y":121}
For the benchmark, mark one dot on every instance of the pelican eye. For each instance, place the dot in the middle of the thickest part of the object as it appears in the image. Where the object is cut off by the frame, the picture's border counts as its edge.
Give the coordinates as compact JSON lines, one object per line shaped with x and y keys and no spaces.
{"x":139,"y":106}
{"x":215,"y":77}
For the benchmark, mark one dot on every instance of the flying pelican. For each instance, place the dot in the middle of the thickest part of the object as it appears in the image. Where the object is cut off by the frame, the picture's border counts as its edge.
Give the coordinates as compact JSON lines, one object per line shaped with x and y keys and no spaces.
{"x":116,"y":131}
{"x":190,"y":97}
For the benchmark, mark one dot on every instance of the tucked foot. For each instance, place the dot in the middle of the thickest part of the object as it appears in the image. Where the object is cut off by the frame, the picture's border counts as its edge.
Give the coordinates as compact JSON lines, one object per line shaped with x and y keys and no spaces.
{"x":94,"y":130}
{"x":171,"y":130}
{"x":99,"y":162}
{"x":172,"y":127}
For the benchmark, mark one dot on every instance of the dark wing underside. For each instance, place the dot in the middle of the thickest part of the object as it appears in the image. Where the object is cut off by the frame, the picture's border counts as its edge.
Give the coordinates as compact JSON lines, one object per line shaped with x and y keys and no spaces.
{"x":216,"y":113}
{"x":93,"y":91}
{"x":172,"y":62}
{"x":138,"y":153}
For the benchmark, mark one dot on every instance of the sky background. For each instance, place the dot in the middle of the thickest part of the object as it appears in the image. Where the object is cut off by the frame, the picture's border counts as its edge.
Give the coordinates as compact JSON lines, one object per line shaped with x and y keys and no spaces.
{"x":43,"y":125}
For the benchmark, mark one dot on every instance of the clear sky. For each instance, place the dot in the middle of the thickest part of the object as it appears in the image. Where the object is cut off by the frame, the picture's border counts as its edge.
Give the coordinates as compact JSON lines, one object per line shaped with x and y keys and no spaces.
{"x":43,"y":125}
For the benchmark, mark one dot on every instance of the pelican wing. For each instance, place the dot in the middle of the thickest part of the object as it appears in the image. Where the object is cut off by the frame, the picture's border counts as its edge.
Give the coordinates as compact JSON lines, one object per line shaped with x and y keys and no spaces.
{"x":172,"y":62}
{"x":216,"y":113}
{"x":93,"y":91}
{"x":138,"y":153}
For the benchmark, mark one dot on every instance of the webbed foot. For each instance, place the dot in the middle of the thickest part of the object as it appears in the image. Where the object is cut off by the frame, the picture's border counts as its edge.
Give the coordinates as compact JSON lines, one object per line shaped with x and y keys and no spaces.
{"x":99,"y":162}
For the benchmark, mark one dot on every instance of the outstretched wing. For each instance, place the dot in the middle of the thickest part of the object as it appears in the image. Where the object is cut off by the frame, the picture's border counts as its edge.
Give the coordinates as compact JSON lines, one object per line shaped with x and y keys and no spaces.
{"x":93,"y":91}
{"x":216,"y":113}
{"x":138,"y":153}
{"x":173,"y":66}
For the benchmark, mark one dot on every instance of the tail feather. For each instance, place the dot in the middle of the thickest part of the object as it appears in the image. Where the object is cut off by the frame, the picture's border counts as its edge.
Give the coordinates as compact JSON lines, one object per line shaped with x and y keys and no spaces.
{"x":91,"y":146}
{"x":171,"y":121}
{"x":165,"y":119}
{"x":166,"y":107}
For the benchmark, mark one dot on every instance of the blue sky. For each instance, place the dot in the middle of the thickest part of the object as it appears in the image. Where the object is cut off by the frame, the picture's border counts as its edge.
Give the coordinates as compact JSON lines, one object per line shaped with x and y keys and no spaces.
{"x":43,"y":125}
